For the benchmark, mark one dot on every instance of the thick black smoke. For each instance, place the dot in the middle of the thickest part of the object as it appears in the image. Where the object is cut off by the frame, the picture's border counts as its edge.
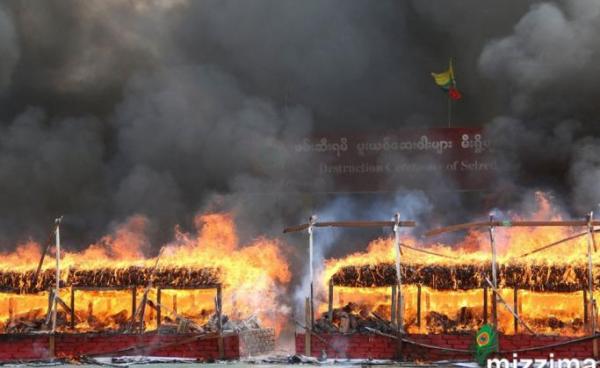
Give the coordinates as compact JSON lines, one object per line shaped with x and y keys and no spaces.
{"x":167,"y":108}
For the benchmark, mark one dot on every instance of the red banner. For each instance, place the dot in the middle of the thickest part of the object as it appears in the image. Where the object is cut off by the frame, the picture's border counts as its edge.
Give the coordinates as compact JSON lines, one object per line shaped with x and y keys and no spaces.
{"x":374,"y":162}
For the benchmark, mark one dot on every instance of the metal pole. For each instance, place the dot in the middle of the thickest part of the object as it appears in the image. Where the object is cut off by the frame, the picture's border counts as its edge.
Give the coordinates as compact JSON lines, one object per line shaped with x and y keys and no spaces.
{"x":494,"y":276}
{"x":311,"y":222}
{"x":400,"y":304}
{"x":449,"y":112}
{"x":57,"y":284}
{"x":398,"y":270}
{"x":592,"y":299}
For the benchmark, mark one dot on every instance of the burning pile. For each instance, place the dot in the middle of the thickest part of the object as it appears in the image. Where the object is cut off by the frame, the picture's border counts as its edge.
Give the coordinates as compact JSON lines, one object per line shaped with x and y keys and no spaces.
{"x":106,"y":276}
{"x":535,"y":277}
{"x":446,"y":294}
{"x":353,"y":318}
{"x":171,"y":277}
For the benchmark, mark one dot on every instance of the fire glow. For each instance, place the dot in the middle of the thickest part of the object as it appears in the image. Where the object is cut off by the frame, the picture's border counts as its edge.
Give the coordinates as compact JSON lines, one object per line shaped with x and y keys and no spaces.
{"x":551,"y":300}
{"x":252,"y":277}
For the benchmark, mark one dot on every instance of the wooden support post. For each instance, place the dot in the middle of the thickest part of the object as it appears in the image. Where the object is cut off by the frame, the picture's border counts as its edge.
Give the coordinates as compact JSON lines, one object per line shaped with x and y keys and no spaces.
{"x":133,"y":306}
{"x":308,"y":330}
{"x":72,"y":308}
{"x":174,"y":303}
{"x":516,"y":308}
{"x":51,"y":347}
{"x":585,"y":309}
{"x":143,"y":311}
{"x":485,"y":304}
{"x":11,"y":309}
{"x":330,"y":306}
{"x":419,"y":306}
{"x":219,"y":310}
{"x":90,"y":311}
{"x":50,"y":304}
{"x":158,"y":308}
{"x":393,"y":311}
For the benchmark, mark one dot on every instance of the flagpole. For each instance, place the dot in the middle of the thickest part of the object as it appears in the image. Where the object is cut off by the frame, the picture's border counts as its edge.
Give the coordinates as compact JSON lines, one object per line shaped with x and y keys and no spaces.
{"x":449,"y":111}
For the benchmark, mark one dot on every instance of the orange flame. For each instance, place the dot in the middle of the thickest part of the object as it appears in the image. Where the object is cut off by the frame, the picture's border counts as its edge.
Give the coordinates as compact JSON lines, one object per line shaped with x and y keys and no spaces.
{"x":475,"y":248}
{"x":253,"y":275}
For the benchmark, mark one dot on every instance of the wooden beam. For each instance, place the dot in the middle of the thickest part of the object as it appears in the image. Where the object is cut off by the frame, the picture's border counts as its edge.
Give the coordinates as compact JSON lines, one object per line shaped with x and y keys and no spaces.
{"x":585,"y":309}
{"x":350,"y":224}
{"x":393,"y":306}
{"x":469,"y":225}
{"x":158,"y":309}
{"x":516,"y":309}
{"x":143,"y":311}
{"x":219,"y":310}
{"x":133,"y":306}
{"x":11,"y":309}
{"x":485,"y":304}
{"x":419,"y":306}
{"x":50,"y":304}
{"x":51,"y":346}
{"x":72,"y":308}
{"x":330,"y":305}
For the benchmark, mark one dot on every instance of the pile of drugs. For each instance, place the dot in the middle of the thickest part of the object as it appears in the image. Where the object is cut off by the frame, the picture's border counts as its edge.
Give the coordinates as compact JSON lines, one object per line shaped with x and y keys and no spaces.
{"x":167,"y":277}
{"x":353,"y":318}
{"x":535,"y":277}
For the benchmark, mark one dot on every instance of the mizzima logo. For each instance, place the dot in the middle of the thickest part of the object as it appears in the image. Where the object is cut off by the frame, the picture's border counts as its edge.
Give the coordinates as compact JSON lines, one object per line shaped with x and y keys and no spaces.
{"x":541,"y":363}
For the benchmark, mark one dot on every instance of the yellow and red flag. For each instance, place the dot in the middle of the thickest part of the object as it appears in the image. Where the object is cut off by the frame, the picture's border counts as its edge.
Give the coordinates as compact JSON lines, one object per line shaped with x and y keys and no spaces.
{"x":447,"y":82}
